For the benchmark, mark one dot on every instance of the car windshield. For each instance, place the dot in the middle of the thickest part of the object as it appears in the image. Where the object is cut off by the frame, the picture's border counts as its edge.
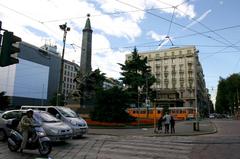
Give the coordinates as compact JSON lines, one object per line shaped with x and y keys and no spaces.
{"x":45,"y":117}
{"x":67,"y":112}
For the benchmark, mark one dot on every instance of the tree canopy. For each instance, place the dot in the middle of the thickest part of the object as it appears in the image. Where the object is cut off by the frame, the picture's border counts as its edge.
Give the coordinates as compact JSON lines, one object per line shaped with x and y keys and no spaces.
{"x":136,"y":75}
{"x":111,"y":106}
{"x":88,"y":84}
{"x":228,"y":94}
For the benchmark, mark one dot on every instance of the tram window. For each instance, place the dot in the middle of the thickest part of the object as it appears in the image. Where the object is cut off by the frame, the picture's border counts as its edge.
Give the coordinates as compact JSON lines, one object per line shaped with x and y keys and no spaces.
{"x":159,"y":112}
{"x":190,"y":111}
{"x":180,"y":111}
{"x":134,"y":112}
{"x":173,"y":111}
{"x":183,"y":111}
{"x":143,"y":112}
{"x":150,"y":111}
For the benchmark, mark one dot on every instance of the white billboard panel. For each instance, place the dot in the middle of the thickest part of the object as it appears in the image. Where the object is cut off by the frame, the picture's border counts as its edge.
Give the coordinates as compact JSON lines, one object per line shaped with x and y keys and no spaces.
{"x":26,"y":79}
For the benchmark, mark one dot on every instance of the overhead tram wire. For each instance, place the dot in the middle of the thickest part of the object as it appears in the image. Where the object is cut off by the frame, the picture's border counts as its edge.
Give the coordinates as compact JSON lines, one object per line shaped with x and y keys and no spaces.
{"x":180,"y":25}
{"x":26,"y":16}
{"x":188,"y":35}
{"x":98,"y":15}
{"x":20,"y":13}
{"x":220,"y":51}
{"x":195,"y":20}
{"x":169,"y":29}
{"x":196,"y":33}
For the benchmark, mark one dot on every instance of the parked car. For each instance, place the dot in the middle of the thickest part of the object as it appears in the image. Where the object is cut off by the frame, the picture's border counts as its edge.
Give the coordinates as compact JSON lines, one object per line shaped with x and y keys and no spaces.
{"x":67,"y":115}
{"x":55,"y":129}
{"x":211,"y":116}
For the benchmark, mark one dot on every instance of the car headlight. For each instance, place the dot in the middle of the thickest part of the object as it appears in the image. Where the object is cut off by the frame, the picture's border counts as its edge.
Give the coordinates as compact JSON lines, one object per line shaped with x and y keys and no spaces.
{"x":73,"y":123}
{"x":41,"y":134}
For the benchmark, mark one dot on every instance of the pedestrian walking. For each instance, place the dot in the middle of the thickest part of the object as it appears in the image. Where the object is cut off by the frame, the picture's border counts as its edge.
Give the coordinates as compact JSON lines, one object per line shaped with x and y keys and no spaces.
{"x":167,"y":119}
{"x":160,"y":120}
{"x":172,"y":123}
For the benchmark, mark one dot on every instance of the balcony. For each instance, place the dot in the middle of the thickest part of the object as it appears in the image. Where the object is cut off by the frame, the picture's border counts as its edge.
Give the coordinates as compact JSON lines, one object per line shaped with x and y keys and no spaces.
{"x":181,"y":71}
{"x":181,"y":79}
{"x":166,"y":80}
{"x":190,"y":79}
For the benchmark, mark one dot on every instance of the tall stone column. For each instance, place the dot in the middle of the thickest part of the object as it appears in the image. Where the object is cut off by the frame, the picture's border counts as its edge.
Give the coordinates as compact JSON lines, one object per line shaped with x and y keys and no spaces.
{"x":86,"y":55}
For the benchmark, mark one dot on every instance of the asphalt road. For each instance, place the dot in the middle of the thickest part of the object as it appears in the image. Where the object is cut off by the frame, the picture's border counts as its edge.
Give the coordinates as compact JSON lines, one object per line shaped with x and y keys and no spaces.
{"x":225,"y":144}
{"x":222,"y":145}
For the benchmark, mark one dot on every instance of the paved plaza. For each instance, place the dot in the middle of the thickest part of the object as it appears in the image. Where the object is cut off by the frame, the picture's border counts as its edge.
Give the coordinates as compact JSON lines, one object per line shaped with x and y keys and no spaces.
{"x":143,"y":143}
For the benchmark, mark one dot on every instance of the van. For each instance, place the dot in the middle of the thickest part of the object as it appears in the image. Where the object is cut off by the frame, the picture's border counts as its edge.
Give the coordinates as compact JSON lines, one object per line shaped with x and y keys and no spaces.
{"x":67,"y":115}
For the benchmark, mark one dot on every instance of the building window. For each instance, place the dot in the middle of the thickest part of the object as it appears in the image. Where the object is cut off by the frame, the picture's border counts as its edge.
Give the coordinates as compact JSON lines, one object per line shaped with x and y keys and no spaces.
{"x":181,"y":94}
{"x":189,"y":51}
{"x":181,"y":84}
{"x":166,"y":85}
{"x":181,"y":60}
{"x":180,"y":52}
{"x":165,"y":68}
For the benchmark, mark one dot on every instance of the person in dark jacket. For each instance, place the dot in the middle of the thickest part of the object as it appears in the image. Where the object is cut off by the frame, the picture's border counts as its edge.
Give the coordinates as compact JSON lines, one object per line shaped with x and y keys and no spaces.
{"x":172,"y":123}
{"x":160,"y":120}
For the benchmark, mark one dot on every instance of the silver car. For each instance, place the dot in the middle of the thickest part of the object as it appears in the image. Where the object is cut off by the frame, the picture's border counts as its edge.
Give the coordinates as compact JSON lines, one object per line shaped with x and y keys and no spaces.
{"x":55,"y":129}
{"x":9,"y":120}
{"x":67,"y":115}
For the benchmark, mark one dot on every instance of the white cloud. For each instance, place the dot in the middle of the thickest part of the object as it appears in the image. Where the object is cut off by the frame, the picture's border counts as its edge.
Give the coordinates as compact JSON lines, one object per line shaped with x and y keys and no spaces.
{"x":105,"y":58}
{"x":204,"y":15}
{"x":155,"y":36}
{"x":17,"y":15}
{"x":119,"y":27}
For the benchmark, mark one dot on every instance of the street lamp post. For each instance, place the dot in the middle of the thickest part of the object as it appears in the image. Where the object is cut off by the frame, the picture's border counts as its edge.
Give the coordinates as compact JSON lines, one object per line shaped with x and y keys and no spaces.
{"x":65,"y":29}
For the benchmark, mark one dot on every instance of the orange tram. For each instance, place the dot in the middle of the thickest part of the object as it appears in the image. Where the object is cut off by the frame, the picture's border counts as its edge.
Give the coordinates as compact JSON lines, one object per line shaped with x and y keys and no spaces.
{"x":179,"y":113}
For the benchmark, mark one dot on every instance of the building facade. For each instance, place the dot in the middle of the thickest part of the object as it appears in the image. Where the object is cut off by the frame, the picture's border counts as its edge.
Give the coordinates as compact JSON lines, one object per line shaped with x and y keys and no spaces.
{"x":34,"y":80}
{"x":178,"y":69}
{"x":70,"y":70}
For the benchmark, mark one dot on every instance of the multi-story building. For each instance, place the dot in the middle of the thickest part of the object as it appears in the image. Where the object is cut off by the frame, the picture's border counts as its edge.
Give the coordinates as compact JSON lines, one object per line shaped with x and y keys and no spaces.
{"x":70,"y":70}
{"x":178,"y":70}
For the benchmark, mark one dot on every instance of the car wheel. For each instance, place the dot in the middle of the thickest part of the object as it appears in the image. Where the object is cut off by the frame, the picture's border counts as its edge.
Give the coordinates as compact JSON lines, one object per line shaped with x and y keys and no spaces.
{"x":2,"y":135}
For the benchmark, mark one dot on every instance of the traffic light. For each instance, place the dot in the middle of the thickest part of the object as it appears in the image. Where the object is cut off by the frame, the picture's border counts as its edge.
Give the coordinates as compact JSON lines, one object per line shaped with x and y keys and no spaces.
{"x":9,"y":50}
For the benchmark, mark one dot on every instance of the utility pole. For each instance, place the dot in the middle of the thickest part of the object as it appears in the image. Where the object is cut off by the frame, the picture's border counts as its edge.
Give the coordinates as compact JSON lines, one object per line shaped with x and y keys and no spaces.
{"x":65,"y":29}
{"x":196,"y":126}
{"x":0,"y":33}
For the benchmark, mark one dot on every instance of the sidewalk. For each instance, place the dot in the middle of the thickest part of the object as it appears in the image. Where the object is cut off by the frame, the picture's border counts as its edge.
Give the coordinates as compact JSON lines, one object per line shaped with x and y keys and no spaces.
{"x":182,"y":128}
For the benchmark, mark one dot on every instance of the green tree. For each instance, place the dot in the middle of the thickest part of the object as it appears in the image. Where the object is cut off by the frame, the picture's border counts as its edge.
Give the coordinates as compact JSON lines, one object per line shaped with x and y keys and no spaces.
{"x":137,"y":75}
{"x":111,"y":106}
{"x":53,"y":100}
{"x":228,"y":94}
{"x":89,"y":84}
{"x":4,"y":101}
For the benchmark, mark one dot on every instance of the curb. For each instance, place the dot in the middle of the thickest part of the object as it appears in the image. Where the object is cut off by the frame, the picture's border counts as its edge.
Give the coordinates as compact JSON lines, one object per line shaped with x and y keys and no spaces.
{"x":165,"y":135}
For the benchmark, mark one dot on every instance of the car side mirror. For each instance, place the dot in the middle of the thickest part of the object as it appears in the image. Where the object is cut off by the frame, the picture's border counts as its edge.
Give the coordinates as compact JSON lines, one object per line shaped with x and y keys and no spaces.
{"x":58,"y":116}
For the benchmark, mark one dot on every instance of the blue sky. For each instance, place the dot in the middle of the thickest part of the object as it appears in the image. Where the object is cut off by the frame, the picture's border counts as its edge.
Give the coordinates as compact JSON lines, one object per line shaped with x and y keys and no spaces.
{"x":119,"y":25}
